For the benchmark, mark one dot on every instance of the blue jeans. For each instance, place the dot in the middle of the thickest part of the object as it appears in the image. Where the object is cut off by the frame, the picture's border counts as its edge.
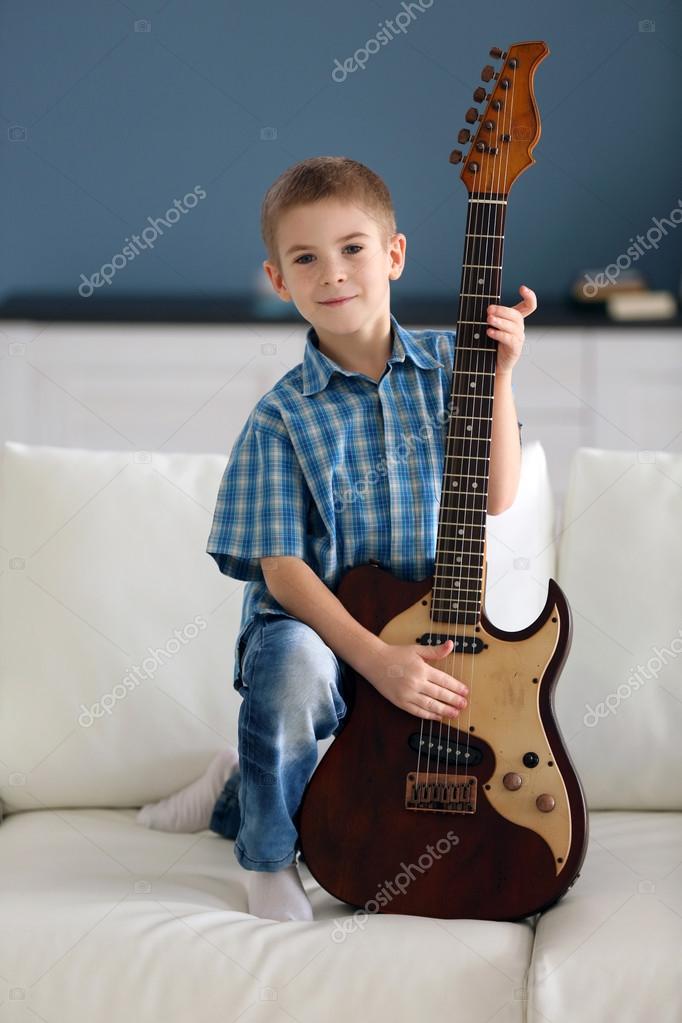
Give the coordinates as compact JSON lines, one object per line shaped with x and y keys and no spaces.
{"x":292,"y":696}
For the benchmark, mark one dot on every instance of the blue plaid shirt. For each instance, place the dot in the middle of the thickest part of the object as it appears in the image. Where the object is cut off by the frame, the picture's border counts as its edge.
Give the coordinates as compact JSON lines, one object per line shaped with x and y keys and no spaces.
{"x":338,"y":469}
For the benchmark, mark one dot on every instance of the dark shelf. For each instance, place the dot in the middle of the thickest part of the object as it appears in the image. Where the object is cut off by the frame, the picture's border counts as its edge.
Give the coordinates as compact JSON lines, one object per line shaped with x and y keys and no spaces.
{"x":164,"y":309}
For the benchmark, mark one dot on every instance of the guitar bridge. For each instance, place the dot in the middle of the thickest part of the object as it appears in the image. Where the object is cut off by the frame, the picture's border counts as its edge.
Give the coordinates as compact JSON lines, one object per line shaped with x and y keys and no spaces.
{"x":450,"y":793}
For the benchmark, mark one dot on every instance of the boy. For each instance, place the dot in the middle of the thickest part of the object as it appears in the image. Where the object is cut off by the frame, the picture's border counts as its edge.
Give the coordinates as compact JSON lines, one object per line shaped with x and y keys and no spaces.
{"x":302,"y":500}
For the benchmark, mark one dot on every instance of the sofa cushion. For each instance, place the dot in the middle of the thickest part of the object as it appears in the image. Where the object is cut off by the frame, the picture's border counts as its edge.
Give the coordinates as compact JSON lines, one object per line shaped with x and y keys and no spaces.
{"x":118,"y":631}
{"x":619,"y":699}
{"x":104,"y":920}
{"x":610,"y":950}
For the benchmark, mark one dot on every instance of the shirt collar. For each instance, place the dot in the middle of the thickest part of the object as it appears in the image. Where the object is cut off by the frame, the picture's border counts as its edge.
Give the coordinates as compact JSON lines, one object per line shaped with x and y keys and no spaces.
{"x":318,"y":367}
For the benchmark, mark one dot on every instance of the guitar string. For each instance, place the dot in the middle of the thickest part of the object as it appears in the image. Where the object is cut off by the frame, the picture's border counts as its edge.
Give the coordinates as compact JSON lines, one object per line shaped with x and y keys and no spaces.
{"x":471,"y":223}
{"x":508,"y":106}
{"x":476,"y":219}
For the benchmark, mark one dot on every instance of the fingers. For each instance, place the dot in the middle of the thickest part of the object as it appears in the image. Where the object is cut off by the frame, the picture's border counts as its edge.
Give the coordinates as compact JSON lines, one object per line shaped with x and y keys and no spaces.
{"x":446,"y":696}
{"x":435,"y":703}
{"x":502,"y":316}
{"x":433,"y":710}
{"x":442,"y":679}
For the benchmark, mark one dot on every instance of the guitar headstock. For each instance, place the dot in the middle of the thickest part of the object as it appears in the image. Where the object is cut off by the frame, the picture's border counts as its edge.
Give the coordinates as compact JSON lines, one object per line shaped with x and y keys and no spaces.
{"x":508,"y":128}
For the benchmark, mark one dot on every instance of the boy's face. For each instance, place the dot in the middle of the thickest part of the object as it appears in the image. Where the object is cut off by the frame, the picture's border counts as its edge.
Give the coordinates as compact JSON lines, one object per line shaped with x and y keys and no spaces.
{"x":342,"y":254}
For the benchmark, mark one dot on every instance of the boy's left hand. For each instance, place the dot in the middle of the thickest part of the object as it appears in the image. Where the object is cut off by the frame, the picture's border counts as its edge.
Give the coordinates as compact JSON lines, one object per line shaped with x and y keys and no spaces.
{"x":506,"y":326}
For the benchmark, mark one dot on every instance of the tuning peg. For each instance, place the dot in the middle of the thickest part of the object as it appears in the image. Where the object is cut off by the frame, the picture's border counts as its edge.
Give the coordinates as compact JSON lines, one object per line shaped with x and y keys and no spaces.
{"x":464,"y":135}
{"x":455,"y":156}
{"x":487,"y":72}
{"x":471,"y":115}
{"x":496,"y":52}
{"x":479,"y":94}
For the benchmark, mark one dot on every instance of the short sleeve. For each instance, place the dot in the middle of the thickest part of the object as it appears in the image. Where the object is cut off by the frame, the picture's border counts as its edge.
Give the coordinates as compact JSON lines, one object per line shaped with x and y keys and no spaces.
{"x":262,"y":504}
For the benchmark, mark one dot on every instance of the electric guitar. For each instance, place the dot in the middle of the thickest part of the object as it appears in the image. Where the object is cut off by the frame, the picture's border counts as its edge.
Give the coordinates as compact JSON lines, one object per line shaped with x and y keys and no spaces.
{"x":482,"y":815}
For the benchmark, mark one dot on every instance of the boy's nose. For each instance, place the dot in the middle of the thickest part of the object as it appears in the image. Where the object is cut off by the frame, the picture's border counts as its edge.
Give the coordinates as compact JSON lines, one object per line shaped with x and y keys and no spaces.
{"x":333,"y":274}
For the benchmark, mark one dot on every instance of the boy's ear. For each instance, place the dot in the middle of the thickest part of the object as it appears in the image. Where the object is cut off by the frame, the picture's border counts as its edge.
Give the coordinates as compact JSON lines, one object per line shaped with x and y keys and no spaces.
{"x":396,"y":251}
{"x":274,"y":274}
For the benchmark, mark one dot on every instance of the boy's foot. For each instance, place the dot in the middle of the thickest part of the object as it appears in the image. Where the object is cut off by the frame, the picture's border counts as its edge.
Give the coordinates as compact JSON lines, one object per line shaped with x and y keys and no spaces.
{"x":279,"y":895}
{"x":191,"y":808}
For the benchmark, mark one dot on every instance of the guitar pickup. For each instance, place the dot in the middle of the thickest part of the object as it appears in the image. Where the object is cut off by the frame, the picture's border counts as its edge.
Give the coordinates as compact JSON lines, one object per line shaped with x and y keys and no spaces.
{"x":462,"y":644}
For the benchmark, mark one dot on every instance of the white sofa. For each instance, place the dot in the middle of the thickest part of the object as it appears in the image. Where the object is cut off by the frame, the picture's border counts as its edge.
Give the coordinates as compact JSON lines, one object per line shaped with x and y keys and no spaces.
{"x":116,"y":689}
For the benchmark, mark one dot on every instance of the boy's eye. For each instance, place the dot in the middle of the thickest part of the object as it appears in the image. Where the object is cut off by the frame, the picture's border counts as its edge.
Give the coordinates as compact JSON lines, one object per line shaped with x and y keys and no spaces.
{"x":308,"y":255}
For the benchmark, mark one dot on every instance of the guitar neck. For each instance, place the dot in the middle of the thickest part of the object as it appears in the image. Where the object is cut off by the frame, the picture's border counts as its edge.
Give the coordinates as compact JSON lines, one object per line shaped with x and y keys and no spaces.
{"x":460,"y":546}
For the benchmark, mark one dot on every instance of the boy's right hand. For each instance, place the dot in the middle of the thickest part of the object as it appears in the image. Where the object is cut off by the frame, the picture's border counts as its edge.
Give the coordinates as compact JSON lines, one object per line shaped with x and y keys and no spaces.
{"x":405,"y":676}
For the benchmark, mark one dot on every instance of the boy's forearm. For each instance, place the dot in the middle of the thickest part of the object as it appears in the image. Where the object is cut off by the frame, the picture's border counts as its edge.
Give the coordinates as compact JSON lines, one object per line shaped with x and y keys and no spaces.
{"x":505,"y":448}
{"x":300,"y":591}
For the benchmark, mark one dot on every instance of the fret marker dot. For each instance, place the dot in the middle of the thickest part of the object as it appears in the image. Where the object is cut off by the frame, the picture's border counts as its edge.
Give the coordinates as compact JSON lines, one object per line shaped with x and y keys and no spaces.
{"x":455,"y":483}
{"x":474,"y":485}
{"x":455,"y":605}
{"x":468,"y":427}
{"x":480,"y":280}
{"x":477,"y":336}
{"x":472,"y":385}
{"x":460,"y":531}
{"x":458,"y":560}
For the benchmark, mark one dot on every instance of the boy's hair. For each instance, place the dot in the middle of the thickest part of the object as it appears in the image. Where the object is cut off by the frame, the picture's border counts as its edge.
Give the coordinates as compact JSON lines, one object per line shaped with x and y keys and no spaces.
{"x":325,"y":177}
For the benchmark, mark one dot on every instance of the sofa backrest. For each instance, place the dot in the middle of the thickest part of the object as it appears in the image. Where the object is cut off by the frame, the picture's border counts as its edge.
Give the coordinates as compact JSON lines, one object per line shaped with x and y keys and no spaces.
{"x":619,"y":699}
{"x":117,"y":630}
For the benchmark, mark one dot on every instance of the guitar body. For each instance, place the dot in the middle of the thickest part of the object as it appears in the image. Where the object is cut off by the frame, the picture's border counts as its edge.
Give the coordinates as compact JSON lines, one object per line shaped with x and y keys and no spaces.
{"x":483,"y":849}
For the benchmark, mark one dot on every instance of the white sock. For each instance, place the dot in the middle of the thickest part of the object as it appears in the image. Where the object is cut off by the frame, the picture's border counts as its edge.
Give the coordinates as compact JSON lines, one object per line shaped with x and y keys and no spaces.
{"x":278,"y":895}
{"x":191,"y":808}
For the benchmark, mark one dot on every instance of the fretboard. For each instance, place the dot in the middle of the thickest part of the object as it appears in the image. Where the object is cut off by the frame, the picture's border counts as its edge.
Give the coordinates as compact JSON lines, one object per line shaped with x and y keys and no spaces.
{"x":458,"y":573}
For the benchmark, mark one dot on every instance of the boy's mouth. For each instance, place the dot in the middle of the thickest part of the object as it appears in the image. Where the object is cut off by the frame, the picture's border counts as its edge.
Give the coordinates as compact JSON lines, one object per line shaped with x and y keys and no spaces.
{"x":338,"y":301}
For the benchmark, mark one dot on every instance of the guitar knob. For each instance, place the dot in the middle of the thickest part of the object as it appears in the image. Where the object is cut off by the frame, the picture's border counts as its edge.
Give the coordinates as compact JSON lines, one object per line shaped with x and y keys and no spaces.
{"x":479,"y":94}
{"x":545,"y":802}
{"x":455,"y":156}
{"x":487,"y":72}
{"x":464,"y":136}
{"x":496,"y":52}
{"x":471,"y":115}
{"x":512,"y":781}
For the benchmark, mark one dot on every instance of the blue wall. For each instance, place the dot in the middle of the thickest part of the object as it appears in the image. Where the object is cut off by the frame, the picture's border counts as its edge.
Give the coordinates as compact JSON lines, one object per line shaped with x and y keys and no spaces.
{"x":106,"y":125}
